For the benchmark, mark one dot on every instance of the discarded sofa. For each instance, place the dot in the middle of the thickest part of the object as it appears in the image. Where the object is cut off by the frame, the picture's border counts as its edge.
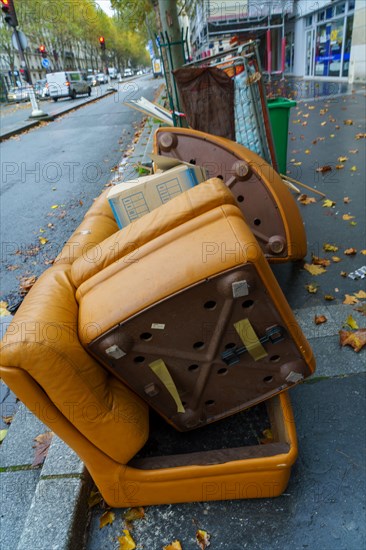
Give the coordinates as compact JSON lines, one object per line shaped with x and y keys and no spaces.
{"x":116,"y":325}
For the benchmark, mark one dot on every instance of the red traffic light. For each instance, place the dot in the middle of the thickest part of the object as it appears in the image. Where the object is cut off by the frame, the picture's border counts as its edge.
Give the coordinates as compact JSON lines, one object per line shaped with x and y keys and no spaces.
{"x":42,"y":48}
{"x":101,"y":38}
{"x":10,"y":16}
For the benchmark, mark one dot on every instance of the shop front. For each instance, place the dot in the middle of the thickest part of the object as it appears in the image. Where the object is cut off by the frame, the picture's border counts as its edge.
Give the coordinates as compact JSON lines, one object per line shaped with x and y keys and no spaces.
{"x":328,"y":38}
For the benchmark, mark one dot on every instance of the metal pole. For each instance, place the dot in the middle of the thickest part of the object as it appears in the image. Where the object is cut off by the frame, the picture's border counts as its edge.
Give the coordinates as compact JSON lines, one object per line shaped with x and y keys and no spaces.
{"x":36,"y":111}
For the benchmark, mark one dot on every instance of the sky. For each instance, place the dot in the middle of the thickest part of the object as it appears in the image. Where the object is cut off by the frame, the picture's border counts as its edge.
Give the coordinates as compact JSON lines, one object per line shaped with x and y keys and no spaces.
{"x":106,"y":6}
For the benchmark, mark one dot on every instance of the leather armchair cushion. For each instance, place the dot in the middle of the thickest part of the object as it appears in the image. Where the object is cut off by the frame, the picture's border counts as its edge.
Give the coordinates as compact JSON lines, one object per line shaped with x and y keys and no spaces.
{"x":125,"y":243}
{"x":84,"y":241}
{"x":43,"y":340}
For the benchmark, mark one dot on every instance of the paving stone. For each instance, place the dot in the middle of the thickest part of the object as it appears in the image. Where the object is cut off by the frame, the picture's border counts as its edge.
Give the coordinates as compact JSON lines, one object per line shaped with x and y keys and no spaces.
{"x":332,"y":360}
{"x":61,"y":460}
{"x":336,"y":317}
{"x":17,"y":447}
{"x":16,"y":491}
{"x":57,"y":516}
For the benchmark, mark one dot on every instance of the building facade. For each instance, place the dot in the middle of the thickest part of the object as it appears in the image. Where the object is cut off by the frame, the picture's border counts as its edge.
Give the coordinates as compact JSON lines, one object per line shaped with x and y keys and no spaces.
{"x":312,"y":39}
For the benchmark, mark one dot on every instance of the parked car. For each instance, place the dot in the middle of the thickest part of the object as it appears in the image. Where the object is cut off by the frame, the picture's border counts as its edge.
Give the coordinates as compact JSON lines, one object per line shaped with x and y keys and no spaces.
{"x":19,"y":94}
{"x":93,"y":80}
{"x":112,"y":71}
{"x":128,"y":72}
{"x":67,"y":84}
{"x":41,"y":88}
{"x":102,"y":78}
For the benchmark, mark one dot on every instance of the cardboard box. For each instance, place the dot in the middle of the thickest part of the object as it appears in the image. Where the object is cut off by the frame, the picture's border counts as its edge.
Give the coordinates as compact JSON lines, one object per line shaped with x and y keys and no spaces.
{"x":133,"y":199}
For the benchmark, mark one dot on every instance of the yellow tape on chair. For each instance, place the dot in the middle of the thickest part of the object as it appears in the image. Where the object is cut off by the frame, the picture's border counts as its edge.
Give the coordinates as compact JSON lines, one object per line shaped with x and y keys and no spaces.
{"x":250,"y":339}
{"x":161,"y":371}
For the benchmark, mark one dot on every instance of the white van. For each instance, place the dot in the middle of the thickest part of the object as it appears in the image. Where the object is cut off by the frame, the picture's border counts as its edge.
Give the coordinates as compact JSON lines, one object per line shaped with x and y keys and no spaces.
{"x":112,"y":72}
{"x":67,"y":84}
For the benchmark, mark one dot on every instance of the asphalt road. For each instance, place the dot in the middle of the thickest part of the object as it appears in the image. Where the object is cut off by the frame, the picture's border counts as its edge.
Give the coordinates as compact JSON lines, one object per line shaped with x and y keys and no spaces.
{"x":64,"y":163}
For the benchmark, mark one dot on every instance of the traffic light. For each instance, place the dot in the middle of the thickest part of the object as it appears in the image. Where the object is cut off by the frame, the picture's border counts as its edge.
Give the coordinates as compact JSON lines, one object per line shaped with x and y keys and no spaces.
{"x":102,"y":42}
{"x":7,"y":7}
{"x":42,"y":50}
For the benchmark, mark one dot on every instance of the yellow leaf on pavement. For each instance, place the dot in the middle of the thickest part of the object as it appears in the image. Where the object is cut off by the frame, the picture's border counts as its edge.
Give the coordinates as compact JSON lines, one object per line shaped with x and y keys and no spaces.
{"x":348,"y":122}
{"x":328,"y":297}
{"x":354,"y":339}
{"x":327,"y":203}
{"x":349,"y":300}
{"x":202,"y":539}
{"x":126,"y":542}
{"x":342,"y":159}
{"x":363,"y":252}
{"x":94,"y":498}
{"x":351,"y":322}
{"x":360,"y":294}
{"x":346,"y":200}
{"x":339,"y":166}
{"x":336,"y":259}
{"x":354,"y":169}
{"x":312,"y":289}
{"x":3,"y":434}
{"x":54,"y":206}
{"x":319,"y":261}
{"x":330,"y":247}
{"x":347,"y":217}
{"x":350,"y":251}
{"x":304,"y":199}
{"x":314,"y":269}
{"x":106,"y":519}
{"x":175,"y":545}
{"x":43,"y":240}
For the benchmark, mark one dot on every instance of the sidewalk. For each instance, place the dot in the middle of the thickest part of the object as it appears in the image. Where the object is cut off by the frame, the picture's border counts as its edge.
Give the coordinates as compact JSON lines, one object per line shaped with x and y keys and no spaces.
{"x":324,"y":505}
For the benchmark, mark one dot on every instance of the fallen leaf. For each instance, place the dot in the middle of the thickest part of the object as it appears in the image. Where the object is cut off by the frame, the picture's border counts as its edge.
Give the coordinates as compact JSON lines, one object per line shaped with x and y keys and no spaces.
{"x":314,"y":269}
{"x":347,"y":217}
{"x":320,"y":319}
{"x":348,"y":122}
{"x":361,"y":309}
{"x":8,"y":419}
{"x":363,"y":252}
{"x":133,"y":514}
{"x":307,"y":151}
{"x":350,"y":321}
{"x":343,"y":273}
{"x":353,"y":151}
{"x":328,"y":297}
{"x":313,"y":289}
{"x":43,"y":442}
{"x":354,"y":339}
{"x":2,"y":435}
{"x":327,"y":203}
{"x":330,"y":247}
{"x":346,"y":200}
{"x":126,"y":542}
{"x":12,"y":267}
{"x":94,"y":498}
{"x":360,"y":294}
{"x":323,"y":111}
{"x":325,"y":168}
{"x":332,"y":136}
{"x":350,"y":251}
{"x":106,"y":519}
{"x":349,"y":300}
{"x":268,"y":437}
{"x":342,"y":159}
{"x":297,"y":163}
{"x":175,"y":545}
{"x":354,"y":169}
{"x":339,"y":166}
{"x":54,"y":206}
{"x":43,"y":240}
{"x":50,"y":225}
{"x":3,"y":310}
{"x":319,"y":261}
{"x":202,"y":539}
{"x":323,"y":123}
{"x":304,"y":199}
{"x":353,"y":223}
{"x":335,"y":259}
{"x":26,"y":284}
{"x":360,"y":136}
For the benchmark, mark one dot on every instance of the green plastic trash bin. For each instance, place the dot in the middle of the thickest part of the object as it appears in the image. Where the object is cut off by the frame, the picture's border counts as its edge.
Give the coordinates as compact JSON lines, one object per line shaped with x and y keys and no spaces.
{"x":279,"y":114}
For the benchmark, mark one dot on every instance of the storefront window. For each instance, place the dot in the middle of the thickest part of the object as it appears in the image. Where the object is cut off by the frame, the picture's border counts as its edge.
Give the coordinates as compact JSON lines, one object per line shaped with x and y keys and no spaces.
{"x":341,"y":8}
{"x":329,"y":49}
{"x":347,"y":46}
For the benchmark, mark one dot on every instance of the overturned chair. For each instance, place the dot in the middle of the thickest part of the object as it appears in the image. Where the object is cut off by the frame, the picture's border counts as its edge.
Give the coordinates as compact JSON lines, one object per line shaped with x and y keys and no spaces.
{"x":179,"y":311}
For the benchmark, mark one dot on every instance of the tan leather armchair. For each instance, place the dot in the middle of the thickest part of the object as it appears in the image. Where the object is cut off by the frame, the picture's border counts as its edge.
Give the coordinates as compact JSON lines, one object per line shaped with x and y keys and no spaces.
{"x":103,"y":277}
